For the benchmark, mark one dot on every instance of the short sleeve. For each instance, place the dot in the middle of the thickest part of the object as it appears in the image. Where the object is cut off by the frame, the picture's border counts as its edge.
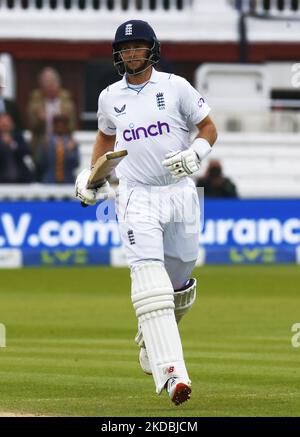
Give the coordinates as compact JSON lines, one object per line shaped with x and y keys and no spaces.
{"x":105,"y":124}
{"x":193,"y":105}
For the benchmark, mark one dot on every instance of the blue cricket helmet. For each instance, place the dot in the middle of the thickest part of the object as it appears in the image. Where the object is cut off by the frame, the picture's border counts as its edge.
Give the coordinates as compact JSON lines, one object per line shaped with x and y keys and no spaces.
{"x":135,"y":30}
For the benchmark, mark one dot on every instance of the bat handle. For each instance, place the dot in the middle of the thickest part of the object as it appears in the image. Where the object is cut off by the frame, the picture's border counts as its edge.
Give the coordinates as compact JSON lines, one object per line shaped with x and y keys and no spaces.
{"x":97,"y":184}
{"x":84,"y":205}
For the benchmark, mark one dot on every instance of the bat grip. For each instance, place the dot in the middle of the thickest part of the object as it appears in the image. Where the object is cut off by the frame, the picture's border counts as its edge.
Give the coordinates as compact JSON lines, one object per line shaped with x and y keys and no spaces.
{"x":97,"y":184}
{"x":84,"y":205}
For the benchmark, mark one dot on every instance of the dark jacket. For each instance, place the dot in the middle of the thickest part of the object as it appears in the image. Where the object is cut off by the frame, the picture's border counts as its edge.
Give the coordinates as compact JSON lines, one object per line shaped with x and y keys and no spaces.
{"x":12,"y":109}
{"x":218,"y":188}
{"x":13,"y":166}
{"x":58,"y":168}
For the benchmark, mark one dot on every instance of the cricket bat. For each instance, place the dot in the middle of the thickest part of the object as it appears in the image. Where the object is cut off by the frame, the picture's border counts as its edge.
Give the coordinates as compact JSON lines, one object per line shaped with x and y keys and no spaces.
{"x":103,"y":167}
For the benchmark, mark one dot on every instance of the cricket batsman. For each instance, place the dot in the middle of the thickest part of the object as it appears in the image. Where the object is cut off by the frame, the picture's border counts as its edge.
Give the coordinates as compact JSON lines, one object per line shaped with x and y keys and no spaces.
{"x":151,"y":114}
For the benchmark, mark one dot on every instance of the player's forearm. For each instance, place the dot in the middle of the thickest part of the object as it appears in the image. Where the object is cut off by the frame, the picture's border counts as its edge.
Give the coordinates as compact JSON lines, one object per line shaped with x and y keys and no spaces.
{"x":104,"y":143}
{"x":209,"y":132}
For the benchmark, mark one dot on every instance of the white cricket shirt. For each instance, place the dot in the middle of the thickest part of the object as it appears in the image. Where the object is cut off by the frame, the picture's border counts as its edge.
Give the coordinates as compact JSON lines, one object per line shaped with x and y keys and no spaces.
{"x":150,"y":123}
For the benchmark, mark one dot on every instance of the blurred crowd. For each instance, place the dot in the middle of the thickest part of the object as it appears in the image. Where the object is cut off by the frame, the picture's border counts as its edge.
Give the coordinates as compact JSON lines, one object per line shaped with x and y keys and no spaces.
{"x":215,"y":183}
{"x":51,"y":155}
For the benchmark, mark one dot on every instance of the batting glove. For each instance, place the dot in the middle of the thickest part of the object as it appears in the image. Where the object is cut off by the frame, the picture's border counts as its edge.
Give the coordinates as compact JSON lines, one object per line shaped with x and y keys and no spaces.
{"x":181,"y":164}
{"x":90,"y":196}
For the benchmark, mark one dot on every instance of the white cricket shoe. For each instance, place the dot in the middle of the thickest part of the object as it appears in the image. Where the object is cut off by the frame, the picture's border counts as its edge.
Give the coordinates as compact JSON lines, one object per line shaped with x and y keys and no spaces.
{"x":144,"y":361}
{"x":179,"y":391}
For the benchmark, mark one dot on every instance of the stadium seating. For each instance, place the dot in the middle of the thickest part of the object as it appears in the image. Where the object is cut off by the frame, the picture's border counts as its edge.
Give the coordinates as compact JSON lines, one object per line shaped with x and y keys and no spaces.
{"x":188,"y":20}
{"x":240,"y":95}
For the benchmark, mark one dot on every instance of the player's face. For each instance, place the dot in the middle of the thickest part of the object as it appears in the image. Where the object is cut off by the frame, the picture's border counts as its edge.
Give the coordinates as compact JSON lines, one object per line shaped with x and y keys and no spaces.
{"x":135,"y":53}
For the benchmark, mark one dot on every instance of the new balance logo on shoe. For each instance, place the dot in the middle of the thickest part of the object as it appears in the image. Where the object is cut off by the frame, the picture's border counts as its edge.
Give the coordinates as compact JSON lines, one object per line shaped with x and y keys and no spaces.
{"x":169,"y":370}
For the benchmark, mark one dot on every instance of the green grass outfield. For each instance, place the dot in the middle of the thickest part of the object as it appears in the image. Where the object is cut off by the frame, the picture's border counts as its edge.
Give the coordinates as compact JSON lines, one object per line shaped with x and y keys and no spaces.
{"x":70,"y":348}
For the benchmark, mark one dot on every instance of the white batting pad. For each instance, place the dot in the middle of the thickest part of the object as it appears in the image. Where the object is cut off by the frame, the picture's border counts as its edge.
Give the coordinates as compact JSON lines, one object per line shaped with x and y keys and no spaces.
{"x":153,"y":300}
{"x":184,"y":299}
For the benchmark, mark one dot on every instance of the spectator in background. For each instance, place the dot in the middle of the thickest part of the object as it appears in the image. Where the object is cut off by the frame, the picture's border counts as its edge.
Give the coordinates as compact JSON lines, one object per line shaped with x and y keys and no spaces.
{"x":16,"y":165}
{"x":59,"y":157}
{"x":215,"y":183}
{"x":8,"y":106}
{"x":44,"y":103}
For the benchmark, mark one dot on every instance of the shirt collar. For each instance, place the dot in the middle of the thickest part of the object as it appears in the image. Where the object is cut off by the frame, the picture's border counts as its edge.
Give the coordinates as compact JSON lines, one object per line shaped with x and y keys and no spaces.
{"x":153,"y":79}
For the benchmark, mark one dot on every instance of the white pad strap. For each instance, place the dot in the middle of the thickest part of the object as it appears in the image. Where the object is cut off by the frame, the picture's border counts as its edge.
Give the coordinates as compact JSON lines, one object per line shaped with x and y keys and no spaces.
{"x":139,"y":338}
{"x":184,"y":299}
{"x":153,"y":300}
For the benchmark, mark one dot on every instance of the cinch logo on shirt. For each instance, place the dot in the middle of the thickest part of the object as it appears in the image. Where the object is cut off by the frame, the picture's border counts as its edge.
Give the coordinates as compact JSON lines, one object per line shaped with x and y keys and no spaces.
{"x":144,"y":132}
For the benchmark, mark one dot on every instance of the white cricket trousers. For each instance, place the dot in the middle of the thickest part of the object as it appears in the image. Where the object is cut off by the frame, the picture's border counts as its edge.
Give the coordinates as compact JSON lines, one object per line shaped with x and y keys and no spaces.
{"x":160,"y":223}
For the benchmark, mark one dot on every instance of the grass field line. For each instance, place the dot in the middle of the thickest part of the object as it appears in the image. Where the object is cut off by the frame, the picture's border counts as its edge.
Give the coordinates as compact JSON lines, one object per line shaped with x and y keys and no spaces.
{"x":244,"y":395}
{"x":239,"y":340}
{"x":287,"y":355}
{"x":72,"y":340}
{"x":256,"y":360}
{"x":15,"y":414}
